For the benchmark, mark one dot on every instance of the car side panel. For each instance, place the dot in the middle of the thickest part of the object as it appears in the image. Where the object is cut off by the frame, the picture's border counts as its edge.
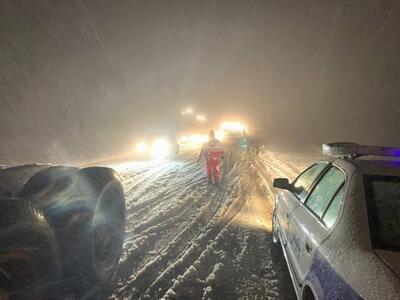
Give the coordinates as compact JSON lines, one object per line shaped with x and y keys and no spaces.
{"x":344,"y":265}
{"x":327,"y":283}
{"x":306,"y":234}
{"x":285,"y":204}
{"x":348,"y":249}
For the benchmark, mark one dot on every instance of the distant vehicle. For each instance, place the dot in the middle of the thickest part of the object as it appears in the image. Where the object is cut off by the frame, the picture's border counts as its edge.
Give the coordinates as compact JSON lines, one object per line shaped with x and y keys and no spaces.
{"x":164,"y":147}
{"x":61,"y":230}
{"x":339,"y":225}
{"x":232,"y":130}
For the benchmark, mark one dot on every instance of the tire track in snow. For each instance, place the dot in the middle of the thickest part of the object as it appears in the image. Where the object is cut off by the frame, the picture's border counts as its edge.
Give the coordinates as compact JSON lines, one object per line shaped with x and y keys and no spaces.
{"x":197,"y":247}
{"x":240,"y":263}
{"x":180,"y":191}
{"x":166,"y":226}
{"x":148,"y":274}
{"x":270,"y":166}
{"x":158,"y":187}
{"x":169,"y":177}
{"x":189,"y":262}
{"x":159,"y":224}
{"x":173,"y":210}
{"x":201,"y":240}
{"x":166,"y":191}
{"x":145,"y":179}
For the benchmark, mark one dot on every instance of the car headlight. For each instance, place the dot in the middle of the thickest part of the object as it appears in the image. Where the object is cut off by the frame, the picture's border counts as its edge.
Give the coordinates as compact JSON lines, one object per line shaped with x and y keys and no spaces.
{"x":141,"y":147}
{"x":198,"y":139}
{"x":233,"y":126}
{"x":161,"y":149}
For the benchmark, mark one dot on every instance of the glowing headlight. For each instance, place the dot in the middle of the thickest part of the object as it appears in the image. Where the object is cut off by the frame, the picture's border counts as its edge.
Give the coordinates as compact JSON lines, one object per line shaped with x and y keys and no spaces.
{"x":184,"y":139}
{"x":219,"y":134}
{"x":160,"y":149}
{"x":141,"y":147}
{"x":233,"y":126}
{"x":187,"y":111}
{"x":201,"y":118}
{"x":198,"y":139}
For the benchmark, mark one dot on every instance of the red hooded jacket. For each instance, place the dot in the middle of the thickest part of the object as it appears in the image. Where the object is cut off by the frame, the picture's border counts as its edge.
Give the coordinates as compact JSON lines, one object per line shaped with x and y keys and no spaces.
{"x":212,"y":150}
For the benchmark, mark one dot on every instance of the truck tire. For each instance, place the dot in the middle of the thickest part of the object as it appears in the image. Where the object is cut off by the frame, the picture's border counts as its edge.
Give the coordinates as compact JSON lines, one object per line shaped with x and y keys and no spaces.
{"x":108,"y":224}
{"x":12,"y":179}
{"x":87,"y":208}
{"x":29,"y":262}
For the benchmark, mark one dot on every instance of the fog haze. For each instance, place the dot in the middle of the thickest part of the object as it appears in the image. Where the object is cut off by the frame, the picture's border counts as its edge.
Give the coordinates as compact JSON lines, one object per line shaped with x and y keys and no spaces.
{"x":80,"y":79}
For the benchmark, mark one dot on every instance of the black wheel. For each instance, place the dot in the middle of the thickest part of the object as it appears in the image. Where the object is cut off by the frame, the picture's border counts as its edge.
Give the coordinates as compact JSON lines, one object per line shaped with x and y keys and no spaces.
{"x":108,"y":223}
{"x":308,"y":294}
{"x":29,"y":264}
{"x":87,"y":208}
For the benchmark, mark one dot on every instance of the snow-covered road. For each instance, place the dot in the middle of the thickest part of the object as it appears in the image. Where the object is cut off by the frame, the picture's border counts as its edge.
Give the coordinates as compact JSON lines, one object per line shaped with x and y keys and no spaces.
{"x":187,"y":240}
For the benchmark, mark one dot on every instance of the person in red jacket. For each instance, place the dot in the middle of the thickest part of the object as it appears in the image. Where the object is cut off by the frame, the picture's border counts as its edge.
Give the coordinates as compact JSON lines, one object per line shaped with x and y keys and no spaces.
{"x":212,"y":152}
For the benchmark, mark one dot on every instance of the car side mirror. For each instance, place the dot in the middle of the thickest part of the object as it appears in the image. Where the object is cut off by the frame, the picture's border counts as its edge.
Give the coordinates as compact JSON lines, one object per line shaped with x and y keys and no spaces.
{"x":282,"y":183}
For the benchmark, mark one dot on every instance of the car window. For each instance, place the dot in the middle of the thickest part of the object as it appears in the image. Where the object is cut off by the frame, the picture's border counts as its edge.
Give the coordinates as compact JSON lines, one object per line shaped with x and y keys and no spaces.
{"x":304,"y":182}
{"x":334,"y":208}
{"x":383,"y":204}
{"x":325,"y":190}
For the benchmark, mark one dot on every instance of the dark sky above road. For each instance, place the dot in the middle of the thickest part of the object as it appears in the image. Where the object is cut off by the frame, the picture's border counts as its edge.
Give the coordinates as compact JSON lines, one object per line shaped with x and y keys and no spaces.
{"x":80,"y":79}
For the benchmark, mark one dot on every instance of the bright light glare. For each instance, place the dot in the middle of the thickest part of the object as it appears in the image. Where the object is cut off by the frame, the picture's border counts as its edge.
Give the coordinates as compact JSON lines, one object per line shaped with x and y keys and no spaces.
{"x":184,"y":139}
{"x":219,"y":134}
{"x":160,"y":149}
{"x":198,"y":139}
{"x":233,"y":126}
{"x":187,"y":111}
{"x":194,"y":139}
{"x":141,"y":147}
{"x":201,"y":118}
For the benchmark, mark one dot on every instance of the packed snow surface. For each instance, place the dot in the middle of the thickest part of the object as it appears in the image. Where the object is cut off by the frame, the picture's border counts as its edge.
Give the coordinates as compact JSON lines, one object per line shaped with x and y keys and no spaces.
{"x":186,"y":239}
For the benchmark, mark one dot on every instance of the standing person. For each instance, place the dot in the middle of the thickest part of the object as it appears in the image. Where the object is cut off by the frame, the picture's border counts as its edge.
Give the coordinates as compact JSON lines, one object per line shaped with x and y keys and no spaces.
{"x":212,"y":152}
{"x":244,"y":142}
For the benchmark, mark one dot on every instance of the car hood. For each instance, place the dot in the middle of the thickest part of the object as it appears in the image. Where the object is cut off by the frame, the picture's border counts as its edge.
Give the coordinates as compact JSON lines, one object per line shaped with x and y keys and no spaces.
{"x":390,"y":258}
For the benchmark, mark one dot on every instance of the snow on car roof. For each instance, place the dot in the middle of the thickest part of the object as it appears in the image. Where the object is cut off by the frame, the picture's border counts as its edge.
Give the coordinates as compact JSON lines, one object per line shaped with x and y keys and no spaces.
{"x":368,"y":159}
{"x":354,"y":150}
{"x":373,"y":166}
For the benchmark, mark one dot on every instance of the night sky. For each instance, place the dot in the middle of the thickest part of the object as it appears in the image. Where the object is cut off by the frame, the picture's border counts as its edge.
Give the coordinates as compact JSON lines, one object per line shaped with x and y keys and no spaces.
{"x":79,"y":80}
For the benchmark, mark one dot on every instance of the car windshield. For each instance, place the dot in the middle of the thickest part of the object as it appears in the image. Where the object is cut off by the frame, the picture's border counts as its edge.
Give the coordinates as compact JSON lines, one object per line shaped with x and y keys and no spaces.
{"x":383,"y":203}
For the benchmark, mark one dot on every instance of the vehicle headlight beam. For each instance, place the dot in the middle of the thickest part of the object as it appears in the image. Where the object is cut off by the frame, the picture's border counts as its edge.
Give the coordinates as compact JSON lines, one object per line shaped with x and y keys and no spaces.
{"x":160,"y":149}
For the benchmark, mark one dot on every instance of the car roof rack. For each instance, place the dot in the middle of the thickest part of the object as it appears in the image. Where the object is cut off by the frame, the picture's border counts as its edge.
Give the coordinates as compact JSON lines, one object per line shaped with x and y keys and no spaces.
{"x":354,"y":150}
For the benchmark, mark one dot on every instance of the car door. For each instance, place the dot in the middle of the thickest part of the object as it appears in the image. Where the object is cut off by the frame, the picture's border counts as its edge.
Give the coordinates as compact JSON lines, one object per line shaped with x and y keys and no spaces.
{"x":309,"y":225}
{"x":292,"y":198}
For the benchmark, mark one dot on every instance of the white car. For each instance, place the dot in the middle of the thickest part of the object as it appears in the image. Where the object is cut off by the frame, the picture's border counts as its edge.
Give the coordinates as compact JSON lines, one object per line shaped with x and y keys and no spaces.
{"x":339,"y":225}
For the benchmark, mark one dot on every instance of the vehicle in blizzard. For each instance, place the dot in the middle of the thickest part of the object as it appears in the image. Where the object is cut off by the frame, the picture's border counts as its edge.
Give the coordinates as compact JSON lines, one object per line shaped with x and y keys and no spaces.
{"x":338,"y":224}
{"x":157,"y":148}
{"x":61,"y":231}
{"x":232,"y":130}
